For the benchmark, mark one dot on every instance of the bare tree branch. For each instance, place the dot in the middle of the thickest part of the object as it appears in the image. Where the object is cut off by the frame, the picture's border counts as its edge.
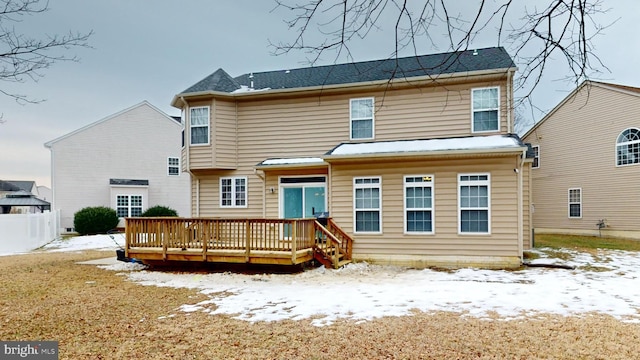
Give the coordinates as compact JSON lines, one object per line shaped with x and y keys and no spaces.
{"x":548,"y":31}
{"x":23,"y":58}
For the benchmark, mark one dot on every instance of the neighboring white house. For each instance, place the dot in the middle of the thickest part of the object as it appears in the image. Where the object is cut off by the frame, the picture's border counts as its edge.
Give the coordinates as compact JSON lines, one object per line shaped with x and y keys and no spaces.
{"x":128,"y":161}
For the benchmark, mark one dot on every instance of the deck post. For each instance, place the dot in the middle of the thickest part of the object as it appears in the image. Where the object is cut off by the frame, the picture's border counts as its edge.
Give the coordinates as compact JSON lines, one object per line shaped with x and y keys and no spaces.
{"x":205,"y":240}
{"x":161,"y":232}
{"x":247,"y":241}
{"x":294,"y":240}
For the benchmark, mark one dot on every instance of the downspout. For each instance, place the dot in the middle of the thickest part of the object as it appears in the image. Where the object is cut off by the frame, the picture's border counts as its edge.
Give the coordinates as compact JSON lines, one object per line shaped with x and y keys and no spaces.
{"x":264,"y":192}
{"x":509,"y":100}
{"x":520,"y":210}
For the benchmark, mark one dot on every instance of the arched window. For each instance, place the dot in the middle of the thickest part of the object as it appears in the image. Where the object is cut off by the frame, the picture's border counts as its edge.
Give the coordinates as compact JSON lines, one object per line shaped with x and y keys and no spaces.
{"x":628,"y":147}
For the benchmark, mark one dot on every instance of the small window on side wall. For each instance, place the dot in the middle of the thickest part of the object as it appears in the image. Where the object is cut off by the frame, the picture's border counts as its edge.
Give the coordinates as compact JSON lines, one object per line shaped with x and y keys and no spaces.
{"x":575,"y":203}
{"x":485,"y":103}
{"x":536,"y":156}
{"x":362,"y":125}
{"x":173,"y":166}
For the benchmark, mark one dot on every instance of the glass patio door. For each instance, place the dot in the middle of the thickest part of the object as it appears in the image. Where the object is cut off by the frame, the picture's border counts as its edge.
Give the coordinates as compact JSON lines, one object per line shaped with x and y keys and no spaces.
{"x":302,"y":201}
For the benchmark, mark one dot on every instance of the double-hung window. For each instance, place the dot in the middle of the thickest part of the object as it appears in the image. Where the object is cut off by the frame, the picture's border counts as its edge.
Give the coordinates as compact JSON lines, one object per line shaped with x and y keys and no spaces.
{"x":628,"y":147}
{"x":367,"y":204}
{"x":128,"y":205}
{"x":474,"y":204}
{"x":575,"y":203}
{"x":486,"y":109}
{"x":233,"y":192}
{"x":173,"y":166}
{"x":362,"y":122}
{"x":199,"y":124}
{"x":418,"y":204}
{"x":536,"y":157}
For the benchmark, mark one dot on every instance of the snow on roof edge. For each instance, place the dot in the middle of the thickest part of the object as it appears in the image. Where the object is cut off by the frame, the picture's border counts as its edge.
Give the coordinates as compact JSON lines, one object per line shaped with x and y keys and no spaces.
{"x":451,"y":144}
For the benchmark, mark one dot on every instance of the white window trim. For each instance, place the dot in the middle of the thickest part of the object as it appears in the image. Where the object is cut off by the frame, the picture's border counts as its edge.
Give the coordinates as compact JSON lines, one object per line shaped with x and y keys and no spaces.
{"x":281,"y":186}
{"x":171,"y":166}
{"x":537,"y":156}
{"x":233,"y":192}
{"x":433,"y":200}
{"x":142,"y":209}
{"x":488,"y":208}
{"x":569,"y":203}
{"x":627,"y":143}
{"x":473,"y":130}
{"x":373,"y":118}
{"x":364,"y":186}
{"x":208,"y":126}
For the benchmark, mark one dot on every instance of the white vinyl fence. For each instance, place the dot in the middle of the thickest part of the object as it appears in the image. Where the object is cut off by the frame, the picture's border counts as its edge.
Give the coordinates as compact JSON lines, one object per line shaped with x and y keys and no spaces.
{"x":25,"y":232}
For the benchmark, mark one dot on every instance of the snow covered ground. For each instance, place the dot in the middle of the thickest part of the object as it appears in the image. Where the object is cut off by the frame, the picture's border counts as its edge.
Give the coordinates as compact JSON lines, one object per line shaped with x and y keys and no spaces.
{"x":606,"y":282}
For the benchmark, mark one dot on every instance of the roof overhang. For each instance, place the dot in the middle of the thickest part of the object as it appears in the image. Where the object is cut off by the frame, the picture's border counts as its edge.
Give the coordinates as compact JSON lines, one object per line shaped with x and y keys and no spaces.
{"x":493,"y":145}
{"x":178,"y":100}
{"x":291,"y":163}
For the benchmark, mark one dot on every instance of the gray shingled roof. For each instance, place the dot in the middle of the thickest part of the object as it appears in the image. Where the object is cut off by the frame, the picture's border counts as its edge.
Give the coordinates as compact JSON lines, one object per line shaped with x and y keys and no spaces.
{"x":407,"y":67}
{"x":7,"y":186}
{"x":25,"y":185}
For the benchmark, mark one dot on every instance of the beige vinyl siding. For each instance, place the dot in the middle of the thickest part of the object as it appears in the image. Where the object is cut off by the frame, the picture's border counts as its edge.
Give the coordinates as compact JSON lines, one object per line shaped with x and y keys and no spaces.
{"x":502,"y":241}
{"x":314,"y":125}
{"x":224,"y":135}
{"x":208,"y":198}
{"x":577,"y":150}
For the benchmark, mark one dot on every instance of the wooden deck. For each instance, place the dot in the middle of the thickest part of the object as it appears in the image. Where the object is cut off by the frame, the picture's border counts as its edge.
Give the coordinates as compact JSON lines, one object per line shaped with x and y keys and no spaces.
{"x":255,"y":241}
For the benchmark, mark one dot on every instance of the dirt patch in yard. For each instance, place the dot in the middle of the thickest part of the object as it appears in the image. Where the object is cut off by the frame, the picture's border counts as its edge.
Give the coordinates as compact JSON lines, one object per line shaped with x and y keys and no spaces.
{"x":98,"y":314}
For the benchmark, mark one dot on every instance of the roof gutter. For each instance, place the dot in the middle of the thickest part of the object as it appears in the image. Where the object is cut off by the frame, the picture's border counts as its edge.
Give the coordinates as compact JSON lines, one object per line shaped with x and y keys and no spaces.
{"x":341,"y":86}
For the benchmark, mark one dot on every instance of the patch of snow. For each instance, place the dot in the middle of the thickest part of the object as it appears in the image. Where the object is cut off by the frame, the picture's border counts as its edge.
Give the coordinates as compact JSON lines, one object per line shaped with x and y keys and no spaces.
{"x":90,"y":242}
{"x":362,"y":291}
{"x":281,"y":161}
{"x":468,"y":143}
{"x":605,"y":282}
{"x":246,"y":89}
{"x":124,"y":266}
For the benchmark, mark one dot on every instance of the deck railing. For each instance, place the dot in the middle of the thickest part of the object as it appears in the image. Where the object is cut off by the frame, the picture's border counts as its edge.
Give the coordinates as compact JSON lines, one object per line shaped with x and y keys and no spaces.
{"x":250,"y":240}
{"x":223,"y":234}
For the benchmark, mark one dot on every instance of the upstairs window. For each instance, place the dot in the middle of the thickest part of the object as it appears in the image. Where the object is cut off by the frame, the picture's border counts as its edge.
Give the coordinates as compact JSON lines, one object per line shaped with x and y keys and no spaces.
{"x":536,"y":156}
{"x":485,"y":108}
{"x":628,"y":147}
{"x":199,"y":122}
{"x":362,"y":123}
{"x":173,"y":166}
{"x":575,"y":203}
{"x":233,"y":192}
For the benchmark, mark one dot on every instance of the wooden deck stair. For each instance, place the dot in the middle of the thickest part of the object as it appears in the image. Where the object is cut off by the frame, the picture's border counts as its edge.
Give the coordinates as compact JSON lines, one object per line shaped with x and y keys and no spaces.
{"x":333,"y":246}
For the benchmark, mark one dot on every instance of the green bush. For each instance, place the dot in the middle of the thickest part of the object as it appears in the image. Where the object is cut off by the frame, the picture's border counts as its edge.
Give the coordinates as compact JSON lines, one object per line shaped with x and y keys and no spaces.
{"x":159,"y":211}
{"x":95,"y":220}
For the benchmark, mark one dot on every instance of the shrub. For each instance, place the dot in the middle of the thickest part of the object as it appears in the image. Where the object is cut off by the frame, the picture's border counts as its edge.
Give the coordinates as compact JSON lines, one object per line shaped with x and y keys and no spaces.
{"x":95,"y":220}
{"x":159,"y":211}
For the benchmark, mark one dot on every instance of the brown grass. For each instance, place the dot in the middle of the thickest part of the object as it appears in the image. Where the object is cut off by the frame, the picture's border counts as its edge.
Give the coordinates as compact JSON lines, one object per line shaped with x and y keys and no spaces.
{"x":96,"y":314}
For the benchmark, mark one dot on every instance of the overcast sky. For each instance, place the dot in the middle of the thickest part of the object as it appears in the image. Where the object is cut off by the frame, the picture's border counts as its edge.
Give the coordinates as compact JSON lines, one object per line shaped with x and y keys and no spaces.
{"x":152,"y":50}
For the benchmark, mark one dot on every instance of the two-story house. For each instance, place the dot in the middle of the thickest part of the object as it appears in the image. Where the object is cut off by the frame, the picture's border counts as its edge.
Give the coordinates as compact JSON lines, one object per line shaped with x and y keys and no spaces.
{"x":593,"y":190}
{"x":413,"y":157}
{"x":128,"y":161}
